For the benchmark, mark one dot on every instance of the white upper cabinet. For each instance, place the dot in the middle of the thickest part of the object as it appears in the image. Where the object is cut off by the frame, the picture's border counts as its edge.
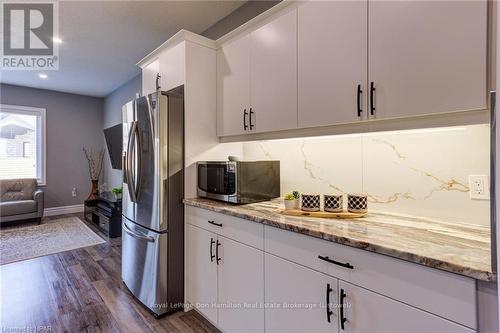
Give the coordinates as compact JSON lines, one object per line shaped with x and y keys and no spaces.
{"x":332,"y":66}
{"x":324,"y":63}
{"x":233,"y":87}
{"x":427,"y":56}
{"x":171,"y":67}
{"x":273,"y":74}
{"x":149,"y":75}
{"x":165,"y":72}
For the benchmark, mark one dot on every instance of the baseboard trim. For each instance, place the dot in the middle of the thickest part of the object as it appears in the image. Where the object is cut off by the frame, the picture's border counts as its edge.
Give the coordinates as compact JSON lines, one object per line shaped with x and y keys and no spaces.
{"x":63,"y":210}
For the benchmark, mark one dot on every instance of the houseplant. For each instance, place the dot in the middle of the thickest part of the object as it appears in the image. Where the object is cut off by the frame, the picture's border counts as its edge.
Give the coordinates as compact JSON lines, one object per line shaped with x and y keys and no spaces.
{"x":117,"y":191}
{"x":292,"y":200}
{"x":94,"y":159}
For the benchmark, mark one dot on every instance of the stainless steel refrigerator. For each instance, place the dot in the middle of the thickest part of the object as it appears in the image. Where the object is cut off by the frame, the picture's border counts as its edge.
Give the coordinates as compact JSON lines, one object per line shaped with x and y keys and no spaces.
{"x":152,"y":208}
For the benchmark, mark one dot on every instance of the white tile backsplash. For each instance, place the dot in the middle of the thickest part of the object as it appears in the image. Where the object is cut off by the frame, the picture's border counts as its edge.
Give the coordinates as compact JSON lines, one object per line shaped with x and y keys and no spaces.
{"x":414,"y":172}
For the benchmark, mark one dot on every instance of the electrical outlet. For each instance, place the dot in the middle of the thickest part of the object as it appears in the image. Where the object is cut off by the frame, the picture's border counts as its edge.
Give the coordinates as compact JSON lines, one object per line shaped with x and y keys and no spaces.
{"x":479,"y":187}
{"x":73,"y":192}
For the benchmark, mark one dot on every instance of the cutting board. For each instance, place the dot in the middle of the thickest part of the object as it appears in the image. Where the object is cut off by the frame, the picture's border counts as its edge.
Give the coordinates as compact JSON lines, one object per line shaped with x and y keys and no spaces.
{"x":328,"y":215}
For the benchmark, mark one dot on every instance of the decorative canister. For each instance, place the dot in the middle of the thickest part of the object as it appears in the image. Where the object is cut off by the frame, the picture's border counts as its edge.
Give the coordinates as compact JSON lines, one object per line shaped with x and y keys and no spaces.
{"x":291,"y":204}
{"x":333,"y":203}
{"x":357,"y":203}
{"x":310,"y":202}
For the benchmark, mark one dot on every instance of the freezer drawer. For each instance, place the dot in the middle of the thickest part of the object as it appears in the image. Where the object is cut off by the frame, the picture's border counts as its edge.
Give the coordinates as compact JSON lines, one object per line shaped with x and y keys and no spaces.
{"x":144,"y":266}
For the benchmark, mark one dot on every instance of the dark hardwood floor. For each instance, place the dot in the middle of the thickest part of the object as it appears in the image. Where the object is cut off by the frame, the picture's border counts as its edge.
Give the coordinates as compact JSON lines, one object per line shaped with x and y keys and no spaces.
{"x":80,"y":291}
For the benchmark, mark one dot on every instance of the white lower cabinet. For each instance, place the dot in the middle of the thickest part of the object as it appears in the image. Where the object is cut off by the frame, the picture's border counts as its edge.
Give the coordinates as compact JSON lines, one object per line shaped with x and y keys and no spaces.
{"x":240,"y":287}
{"x":225,"y":281}
{"x":296,"y":298}
{"x":201,"y":271}
{"x":368,"y":312}
{"x":244,"y":278}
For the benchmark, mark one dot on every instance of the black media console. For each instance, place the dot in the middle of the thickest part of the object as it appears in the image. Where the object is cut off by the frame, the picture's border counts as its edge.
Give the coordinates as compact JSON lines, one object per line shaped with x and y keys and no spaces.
{"x":105,"y":212}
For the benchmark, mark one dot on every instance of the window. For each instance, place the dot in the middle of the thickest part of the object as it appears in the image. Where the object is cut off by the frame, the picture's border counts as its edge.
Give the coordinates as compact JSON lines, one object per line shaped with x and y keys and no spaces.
{"x":22,"y":142}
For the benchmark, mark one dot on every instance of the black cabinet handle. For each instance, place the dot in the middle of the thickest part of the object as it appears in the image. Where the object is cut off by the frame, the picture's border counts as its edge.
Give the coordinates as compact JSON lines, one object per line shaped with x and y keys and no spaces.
{"x":245,"y":113}
{"x":217,"y":251}
{"x":343,"y":319}
{"x":331,"y":261}
{"x":215,"y":223}
{"x":372,"y":98}
{"x":158,"y":76}
{"x":212,"y":242}
{"x":328,"y":311}
{"x":359,"y":100}
{"x":250,"y":118}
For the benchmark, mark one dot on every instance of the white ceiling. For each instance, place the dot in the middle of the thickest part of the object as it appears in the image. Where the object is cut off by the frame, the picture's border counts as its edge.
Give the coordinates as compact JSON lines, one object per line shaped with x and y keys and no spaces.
{"x":102,"y":41}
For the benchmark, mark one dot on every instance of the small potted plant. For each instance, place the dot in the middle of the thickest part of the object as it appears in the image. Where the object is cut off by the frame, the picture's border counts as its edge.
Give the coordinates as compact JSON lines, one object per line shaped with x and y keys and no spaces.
{"x":117,"y":191}
{"x":292,"y":200}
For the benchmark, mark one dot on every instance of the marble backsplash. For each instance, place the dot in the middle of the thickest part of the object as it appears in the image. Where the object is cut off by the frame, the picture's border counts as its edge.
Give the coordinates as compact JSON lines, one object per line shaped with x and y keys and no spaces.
{"x":413,"y":172}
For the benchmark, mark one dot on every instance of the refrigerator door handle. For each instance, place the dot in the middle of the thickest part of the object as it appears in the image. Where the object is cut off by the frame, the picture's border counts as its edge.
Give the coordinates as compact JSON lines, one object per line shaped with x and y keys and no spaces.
{"x":150,"y":114}
{"x":138,"y":236}
{"x":128,"y":169}
{"x":138,"y":139}
{"x":124,"y":166}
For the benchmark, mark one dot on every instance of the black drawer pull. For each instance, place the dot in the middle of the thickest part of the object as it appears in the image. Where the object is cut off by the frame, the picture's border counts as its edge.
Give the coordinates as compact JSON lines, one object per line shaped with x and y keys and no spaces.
{"x":217,"y":251}
{"x":372,"y":98}
{"x":328,"y":311}
{"x":331,"y":261}
{"x":245,"y":113}
{"x":215,"y":223}
{"x":212,"y":242}
{"x":250,"y":119}
{"x":342,"y":318}
{"x":359,"y":100}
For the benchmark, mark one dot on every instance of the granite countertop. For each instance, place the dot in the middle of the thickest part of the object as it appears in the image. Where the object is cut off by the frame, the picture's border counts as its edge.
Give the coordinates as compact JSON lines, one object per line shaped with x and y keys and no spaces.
{"x":458,"y":248}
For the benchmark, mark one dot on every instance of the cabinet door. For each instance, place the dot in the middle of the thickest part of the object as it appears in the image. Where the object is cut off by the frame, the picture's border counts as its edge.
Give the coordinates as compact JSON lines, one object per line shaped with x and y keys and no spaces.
{"x":240,"y":287}
{"x":427,"y":56}
{"x":332,"y":62}
{"x":273,"y":76}
{"x":233,"y":86}
{"x":368,"y":312}
{"x":149,"y":74}
{"x":201,"y":271}
{"x":171,"y":64}
{"x":296,"y":298}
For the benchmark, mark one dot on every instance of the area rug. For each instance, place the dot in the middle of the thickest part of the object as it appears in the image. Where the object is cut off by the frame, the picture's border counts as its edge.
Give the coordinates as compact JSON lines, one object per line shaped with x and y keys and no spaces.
{"x":51,"y":237}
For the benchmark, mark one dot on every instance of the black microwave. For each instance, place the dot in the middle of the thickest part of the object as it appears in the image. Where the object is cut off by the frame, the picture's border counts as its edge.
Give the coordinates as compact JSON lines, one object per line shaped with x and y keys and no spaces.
{"x":239,"y":182}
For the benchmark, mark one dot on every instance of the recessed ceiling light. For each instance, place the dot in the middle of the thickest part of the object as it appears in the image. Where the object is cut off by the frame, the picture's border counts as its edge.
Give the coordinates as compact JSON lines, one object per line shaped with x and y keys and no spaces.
{"x":57,"y":40}
{"x":42,"y":76}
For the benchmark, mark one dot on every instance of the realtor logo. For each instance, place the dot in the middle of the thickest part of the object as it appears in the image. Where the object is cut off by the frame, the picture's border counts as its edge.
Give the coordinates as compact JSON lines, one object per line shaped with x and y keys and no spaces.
{"x":28,"y":36}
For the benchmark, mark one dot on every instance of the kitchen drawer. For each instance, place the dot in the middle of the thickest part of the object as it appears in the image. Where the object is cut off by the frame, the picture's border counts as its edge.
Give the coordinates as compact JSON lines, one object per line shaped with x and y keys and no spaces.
{"x":244,"y":231}
{"x":367,"y":311}
{"x":445,"y":294}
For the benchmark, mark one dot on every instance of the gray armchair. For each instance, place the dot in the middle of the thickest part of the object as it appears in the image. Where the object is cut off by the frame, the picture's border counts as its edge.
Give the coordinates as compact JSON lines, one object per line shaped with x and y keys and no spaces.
{"x":20,"y":200}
